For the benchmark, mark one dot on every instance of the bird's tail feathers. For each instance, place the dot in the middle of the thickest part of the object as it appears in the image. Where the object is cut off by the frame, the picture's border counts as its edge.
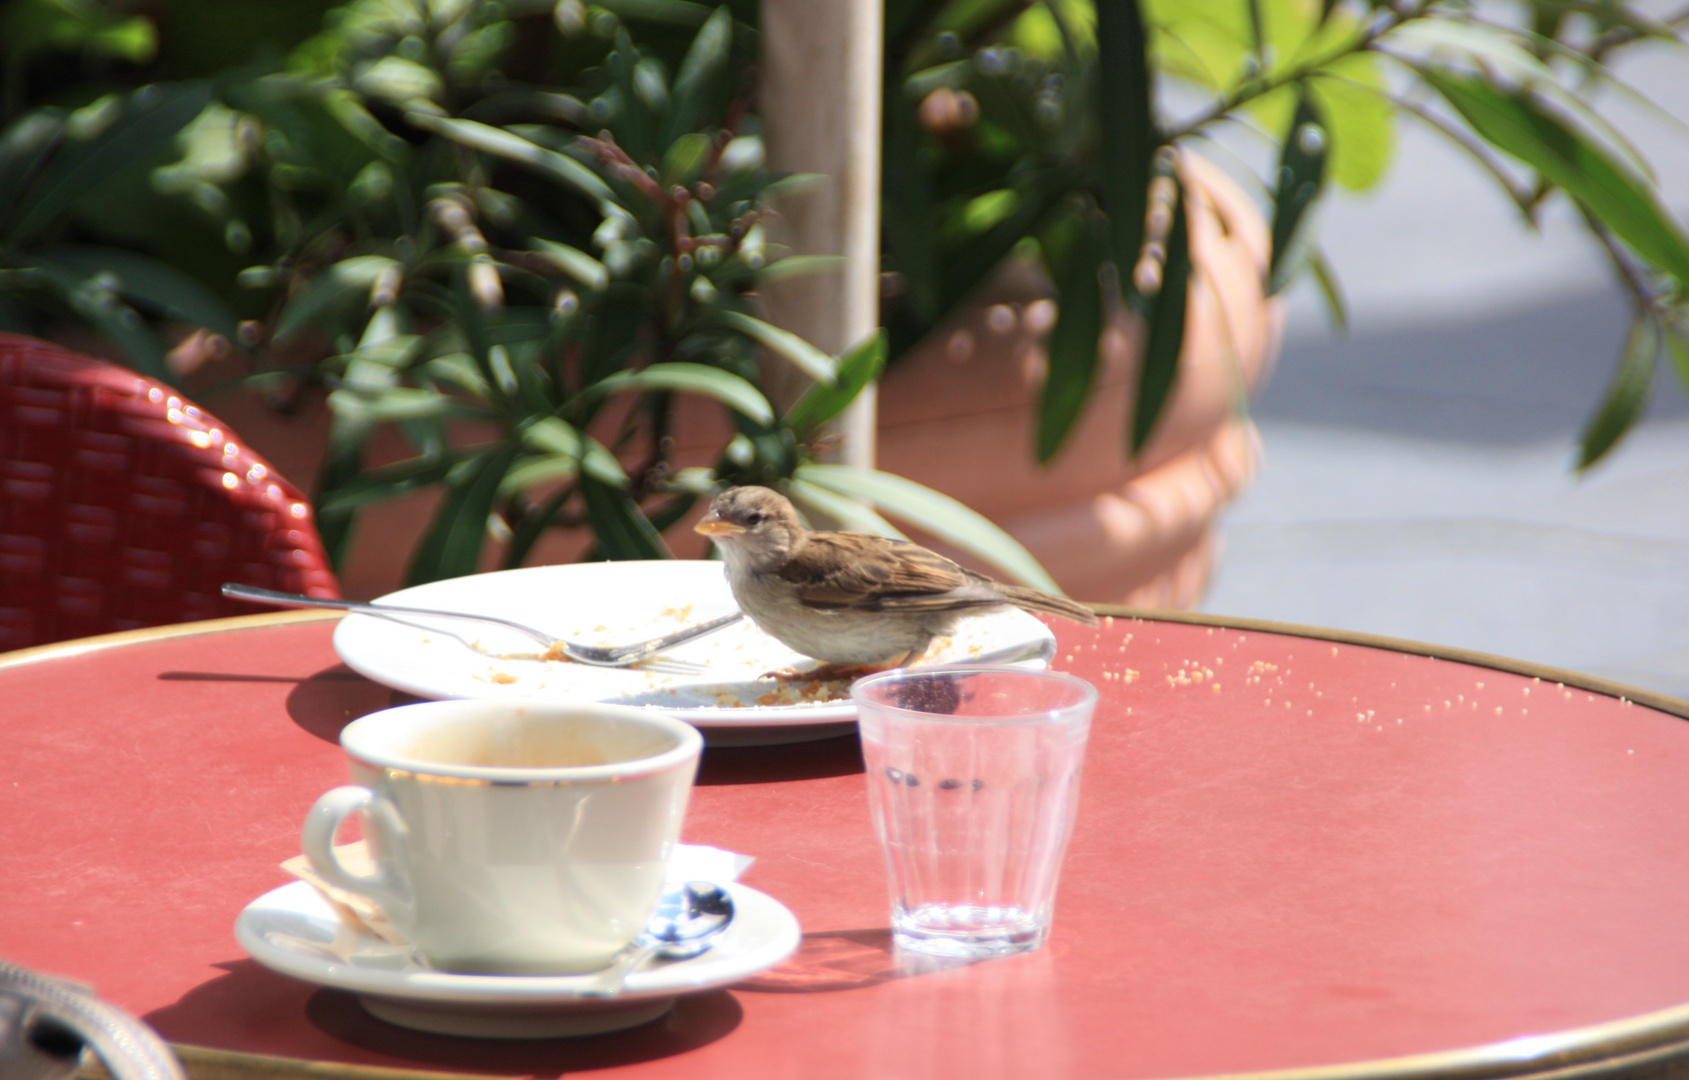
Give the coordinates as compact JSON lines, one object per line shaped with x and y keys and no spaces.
{"x":1036,"y":600}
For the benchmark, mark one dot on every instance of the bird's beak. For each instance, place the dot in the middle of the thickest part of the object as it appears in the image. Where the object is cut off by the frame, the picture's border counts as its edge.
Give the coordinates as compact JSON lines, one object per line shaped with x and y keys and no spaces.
{"x":716,"y":525}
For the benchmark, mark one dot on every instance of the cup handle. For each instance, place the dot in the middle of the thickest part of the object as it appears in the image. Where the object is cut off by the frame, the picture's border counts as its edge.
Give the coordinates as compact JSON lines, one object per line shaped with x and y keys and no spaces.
{"x":317,"y":841}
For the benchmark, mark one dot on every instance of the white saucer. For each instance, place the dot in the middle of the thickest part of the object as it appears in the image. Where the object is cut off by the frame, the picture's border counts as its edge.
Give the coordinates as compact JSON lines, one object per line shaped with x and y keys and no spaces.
{"x":294,"y":931}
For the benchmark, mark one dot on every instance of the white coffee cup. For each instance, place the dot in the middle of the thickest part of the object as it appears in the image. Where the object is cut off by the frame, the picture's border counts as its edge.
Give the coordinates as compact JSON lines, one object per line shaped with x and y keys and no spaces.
{"x":511,"y":837}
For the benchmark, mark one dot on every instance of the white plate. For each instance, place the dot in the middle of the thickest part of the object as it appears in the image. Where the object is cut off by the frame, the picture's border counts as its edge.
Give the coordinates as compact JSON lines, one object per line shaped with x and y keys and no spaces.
{"x":293,"y":930}
{"x":713,"y":683}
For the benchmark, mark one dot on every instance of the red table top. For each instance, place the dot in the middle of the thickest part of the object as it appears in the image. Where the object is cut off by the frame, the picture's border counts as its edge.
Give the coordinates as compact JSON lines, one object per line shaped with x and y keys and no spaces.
{"x":1290,"y":853}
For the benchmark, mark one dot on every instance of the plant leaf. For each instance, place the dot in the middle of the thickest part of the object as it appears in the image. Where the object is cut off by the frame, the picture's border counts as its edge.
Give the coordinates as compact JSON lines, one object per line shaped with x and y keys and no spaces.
{"x":553,"y":436}
{"x":1126,"y":127}
{"x":838,"y":511}
{"x":623,"y":532}
{"x":572,"y":261}
{"x":1514,"y":124}
{"x":153,"y":284}
{"x":341,"y":284}
{"x":736,"y":393}
{"x":700,"y":77}
{"x":857,"y":366}
{"x":935,"y":513}
{"x":26,"y":147}
{"x":1301,"y":174}
{"x":1075,"y":255}
{"x":532,"y":526}
{"x":388,"y":482}
{"x":806,"y":357}
{"x":1678,"y":345}
{"x":1626,"y":394}
{"x":512,"y":147}
{"x":1165,"y":336}
{"x":452,"y":546}
{"x":150,"y":120}
{"x":108,"y":314}
{"x":1331,"y":289}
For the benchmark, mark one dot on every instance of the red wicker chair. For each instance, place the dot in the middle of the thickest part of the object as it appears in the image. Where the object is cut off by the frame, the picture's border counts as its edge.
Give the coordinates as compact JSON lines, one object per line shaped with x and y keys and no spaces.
{"x":124,"y":505}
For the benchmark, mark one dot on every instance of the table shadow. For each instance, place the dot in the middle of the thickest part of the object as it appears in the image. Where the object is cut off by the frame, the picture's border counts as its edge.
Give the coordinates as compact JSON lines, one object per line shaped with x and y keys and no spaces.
{"x":833,"y":960}
{"x":336,"y":696}
{"x":838,"y":756}
{"x":252,"y":1009}
{"x":696,"y":1020}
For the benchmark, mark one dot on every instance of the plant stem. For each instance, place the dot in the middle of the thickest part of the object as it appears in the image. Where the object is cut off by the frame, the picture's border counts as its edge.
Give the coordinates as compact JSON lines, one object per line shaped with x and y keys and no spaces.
{"x":1389,"y":20}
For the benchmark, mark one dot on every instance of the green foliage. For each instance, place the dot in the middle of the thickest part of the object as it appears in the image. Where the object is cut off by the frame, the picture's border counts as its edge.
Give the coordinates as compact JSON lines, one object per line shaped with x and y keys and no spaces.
{"x":519,"y":233}
{"x":1057,"y":110}
{"x":523,"y":259}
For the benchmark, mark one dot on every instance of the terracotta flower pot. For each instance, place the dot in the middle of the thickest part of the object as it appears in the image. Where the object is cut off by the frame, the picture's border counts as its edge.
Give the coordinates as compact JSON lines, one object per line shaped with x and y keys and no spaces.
{"x":960,"y":415}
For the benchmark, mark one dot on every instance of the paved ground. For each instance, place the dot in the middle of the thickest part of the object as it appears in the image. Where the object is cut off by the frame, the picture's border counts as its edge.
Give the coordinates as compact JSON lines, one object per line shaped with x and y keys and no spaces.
{"x":1417,"y":479}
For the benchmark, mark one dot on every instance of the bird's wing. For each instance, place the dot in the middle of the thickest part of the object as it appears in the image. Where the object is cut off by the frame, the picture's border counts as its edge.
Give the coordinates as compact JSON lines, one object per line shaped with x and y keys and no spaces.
{"x":872,"y":573}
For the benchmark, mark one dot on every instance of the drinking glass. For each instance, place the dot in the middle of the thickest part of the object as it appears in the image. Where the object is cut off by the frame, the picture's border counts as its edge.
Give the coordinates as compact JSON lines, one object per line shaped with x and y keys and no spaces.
{"x":973,"y":778}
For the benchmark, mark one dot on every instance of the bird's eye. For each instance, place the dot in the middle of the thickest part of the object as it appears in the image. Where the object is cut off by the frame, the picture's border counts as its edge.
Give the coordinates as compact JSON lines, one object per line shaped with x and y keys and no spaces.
{"x":754,"y":518}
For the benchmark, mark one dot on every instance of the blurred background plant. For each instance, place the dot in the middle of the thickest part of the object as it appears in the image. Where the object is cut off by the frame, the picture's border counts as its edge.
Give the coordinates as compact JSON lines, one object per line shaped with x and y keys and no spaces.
{"x":419,"y":211}
{"x":1036,"y":130}
{"x":518,"y":232}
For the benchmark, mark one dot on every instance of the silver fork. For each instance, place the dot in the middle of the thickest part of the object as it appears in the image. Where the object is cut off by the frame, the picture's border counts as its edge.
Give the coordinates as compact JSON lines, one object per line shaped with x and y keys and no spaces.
{"x":614,"y":656}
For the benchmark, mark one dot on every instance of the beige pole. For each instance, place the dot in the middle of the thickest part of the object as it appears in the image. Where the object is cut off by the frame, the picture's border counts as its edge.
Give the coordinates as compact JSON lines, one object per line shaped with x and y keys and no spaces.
{"x":821,"y":112}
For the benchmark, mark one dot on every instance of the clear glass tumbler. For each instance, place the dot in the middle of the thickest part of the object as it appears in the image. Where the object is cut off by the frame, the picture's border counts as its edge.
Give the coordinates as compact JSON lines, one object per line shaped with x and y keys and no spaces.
{"x":973,"y":778}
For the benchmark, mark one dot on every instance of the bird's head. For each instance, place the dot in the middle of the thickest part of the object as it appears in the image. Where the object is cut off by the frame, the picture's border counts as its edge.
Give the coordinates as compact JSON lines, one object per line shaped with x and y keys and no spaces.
{"x":754,"y":524}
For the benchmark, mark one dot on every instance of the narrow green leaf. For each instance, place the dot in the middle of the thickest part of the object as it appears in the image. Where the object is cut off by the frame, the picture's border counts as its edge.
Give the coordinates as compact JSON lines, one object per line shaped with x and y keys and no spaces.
{"x":1622,"y":404}
{"x":936,"y":513}
{"x":1126,"y":126}
{"x":338,"y":287}
{"x":1301,"y":174}
{"x":804,"y":356}
{"x":25,"y":148}
{"x":502,"y":143}
{"x":736,"y":393}
{"x":388,"y":482}
{"x":390,"y":403}
{"x":154,"y":285}
{"x":701,"y":78}
{"x":452,"y":546}
{"x":532,"y":526}
{"x":857,"y":366}
{"x":1074,"y":254}
{"x":623,"y":532}
{"x":572,"y":261}
{"x":1165,"y":336}
{"x":151,"y":118}
{"x":1514,"y":124}
{"x":830,"y":510}
{"x":342,"y":463}
{"x":1331,"y":289}
{"x":105,"y":311}
{"x":685,"y":159}
{"x":674,"y":12}
{"x":535,"y":472}
{"x":969,"y":264}
{"x":798,"y":265}
{"x":553,"y":436}
{"x":1677,"y":342}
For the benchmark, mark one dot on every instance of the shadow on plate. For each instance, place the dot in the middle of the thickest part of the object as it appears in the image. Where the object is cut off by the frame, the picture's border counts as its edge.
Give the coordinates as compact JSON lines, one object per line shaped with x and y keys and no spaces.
{"x":838,"y":756}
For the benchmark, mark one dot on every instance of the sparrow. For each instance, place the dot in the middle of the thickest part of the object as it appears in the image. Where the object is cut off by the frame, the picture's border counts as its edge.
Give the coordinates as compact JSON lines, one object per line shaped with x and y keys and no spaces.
{"x":850,"y":599}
